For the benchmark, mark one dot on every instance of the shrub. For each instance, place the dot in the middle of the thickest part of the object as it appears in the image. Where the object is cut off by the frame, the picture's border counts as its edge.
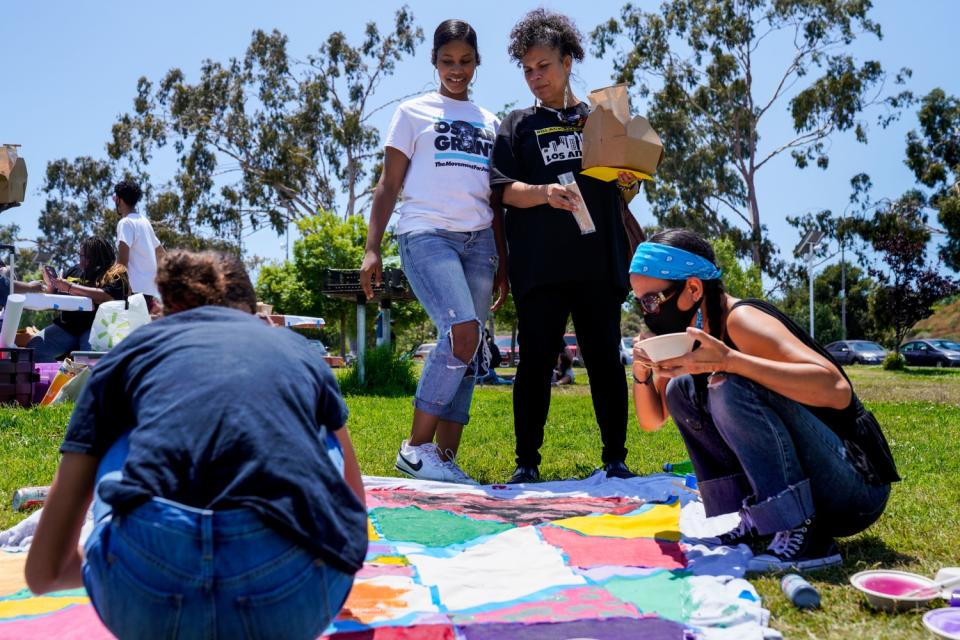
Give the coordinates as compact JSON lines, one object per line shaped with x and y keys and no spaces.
{"x":386,"y":373}
{"x":894,"y":362}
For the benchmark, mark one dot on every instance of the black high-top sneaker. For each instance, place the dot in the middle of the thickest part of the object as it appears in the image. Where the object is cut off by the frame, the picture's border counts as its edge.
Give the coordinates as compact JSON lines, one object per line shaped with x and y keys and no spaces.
{"x":743,"y":533}
{"x":801,"y":548}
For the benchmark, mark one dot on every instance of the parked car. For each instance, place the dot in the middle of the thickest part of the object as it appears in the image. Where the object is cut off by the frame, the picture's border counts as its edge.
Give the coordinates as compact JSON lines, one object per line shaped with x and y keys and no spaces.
{"x":323,"y":352}
{"x":626,"y":351}
{"x":424,"y":350}
{"x":857,"y":352}
{"x":570,"y":339}
{"x":932,"y":353}
{"x":510,"y":356}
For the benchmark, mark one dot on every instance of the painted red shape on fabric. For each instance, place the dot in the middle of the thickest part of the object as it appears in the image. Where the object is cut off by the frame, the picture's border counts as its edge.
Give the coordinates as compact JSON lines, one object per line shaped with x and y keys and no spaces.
{"x":79,"y":622}
{"x":415,"y":632}
{"x":591,"y":551}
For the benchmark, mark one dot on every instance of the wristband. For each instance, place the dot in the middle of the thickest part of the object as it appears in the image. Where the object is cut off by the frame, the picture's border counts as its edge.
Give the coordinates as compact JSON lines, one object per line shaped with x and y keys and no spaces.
{"x":644,"y":382}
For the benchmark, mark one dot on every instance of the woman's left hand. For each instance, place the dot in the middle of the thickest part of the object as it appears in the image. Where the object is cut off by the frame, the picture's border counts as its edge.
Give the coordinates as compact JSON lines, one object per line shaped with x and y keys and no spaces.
{"x":712,"y":356}
{"x":501,"y":285}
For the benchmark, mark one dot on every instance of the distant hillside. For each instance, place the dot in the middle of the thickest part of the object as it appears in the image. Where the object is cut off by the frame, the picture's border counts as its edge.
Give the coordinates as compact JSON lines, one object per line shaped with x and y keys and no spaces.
{"x":945,"y":323}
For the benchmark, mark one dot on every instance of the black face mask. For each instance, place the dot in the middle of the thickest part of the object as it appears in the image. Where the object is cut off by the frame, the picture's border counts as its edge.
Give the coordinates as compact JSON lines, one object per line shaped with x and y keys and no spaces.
{"x":671,"y":319}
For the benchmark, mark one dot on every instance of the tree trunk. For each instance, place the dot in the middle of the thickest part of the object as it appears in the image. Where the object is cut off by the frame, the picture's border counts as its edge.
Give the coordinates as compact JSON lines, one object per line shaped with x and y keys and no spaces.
{"x":343,"y":334}
{"x":351,"y":184}
{"x":755,"y":231}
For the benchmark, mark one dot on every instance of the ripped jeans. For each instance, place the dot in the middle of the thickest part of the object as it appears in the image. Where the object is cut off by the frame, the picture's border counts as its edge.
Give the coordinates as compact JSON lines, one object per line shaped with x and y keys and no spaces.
{"x":762,"y":454}
{"x":451,"y":273}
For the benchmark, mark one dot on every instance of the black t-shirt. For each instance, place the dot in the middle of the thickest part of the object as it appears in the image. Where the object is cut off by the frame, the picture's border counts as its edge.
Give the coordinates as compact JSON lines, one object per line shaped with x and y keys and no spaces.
{"x":76,"y":322}
{"x":225,"y":412}
{"x":546,"y":247}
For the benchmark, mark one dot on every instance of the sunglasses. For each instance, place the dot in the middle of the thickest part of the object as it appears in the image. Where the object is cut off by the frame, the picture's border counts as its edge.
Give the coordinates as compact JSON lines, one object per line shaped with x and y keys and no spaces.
{"x":570,"y":119}
{"x":650,"y":303}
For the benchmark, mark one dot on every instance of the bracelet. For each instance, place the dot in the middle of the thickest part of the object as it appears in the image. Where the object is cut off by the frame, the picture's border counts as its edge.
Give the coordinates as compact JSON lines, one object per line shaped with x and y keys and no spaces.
{"x":644,"y":382}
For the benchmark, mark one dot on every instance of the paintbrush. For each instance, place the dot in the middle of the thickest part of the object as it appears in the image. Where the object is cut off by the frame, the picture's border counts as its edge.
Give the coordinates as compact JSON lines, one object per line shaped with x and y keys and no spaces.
{"x":935,"y":587}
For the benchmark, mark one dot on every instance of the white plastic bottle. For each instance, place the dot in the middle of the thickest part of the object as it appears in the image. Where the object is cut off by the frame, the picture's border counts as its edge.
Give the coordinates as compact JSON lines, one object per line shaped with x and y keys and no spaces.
{"x":581,"y":215}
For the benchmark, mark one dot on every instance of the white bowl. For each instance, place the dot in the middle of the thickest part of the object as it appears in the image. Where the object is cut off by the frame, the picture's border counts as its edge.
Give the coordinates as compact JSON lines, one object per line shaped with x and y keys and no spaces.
{"x":669,"y":345}
{"x":943,"y":623}
{"x":892,"y":599}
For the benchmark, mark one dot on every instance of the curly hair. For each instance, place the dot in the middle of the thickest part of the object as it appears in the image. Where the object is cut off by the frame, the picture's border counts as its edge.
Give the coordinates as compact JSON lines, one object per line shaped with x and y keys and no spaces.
{"x":128,"y":191}
{"x":188,"y":279}
{"x":450,"y":31}
{"x":541,"y":27}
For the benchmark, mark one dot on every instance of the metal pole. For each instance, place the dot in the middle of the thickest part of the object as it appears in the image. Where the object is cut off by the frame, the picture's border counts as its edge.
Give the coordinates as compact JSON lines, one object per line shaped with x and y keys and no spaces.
{"x":361,"y":334}
{"x":810,"y":279}
{"x":843,"y":290}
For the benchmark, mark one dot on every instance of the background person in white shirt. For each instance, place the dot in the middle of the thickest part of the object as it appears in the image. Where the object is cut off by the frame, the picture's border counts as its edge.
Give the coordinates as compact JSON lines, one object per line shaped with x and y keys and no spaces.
{"x":138,"y":248}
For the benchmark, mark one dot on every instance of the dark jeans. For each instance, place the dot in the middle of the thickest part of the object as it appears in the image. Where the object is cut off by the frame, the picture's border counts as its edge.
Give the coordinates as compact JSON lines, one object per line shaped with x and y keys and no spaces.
{"x":542,"y":319}
{"x":757,"y":451}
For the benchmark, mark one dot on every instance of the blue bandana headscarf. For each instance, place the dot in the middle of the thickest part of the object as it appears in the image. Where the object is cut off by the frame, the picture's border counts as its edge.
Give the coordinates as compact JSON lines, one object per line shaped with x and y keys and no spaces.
{"x":670,"y":263}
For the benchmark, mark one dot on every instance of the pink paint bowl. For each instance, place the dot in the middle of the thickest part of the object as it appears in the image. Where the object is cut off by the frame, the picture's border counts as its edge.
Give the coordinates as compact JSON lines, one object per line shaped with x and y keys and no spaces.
{"x":943,"y":623}
{"x":886,"y":589}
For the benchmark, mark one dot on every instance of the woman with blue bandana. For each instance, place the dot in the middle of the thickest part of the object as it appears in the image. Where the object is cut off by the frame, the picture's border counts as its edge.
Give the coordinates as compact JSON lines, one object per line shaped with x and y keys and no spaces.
{"x":770,"y":420}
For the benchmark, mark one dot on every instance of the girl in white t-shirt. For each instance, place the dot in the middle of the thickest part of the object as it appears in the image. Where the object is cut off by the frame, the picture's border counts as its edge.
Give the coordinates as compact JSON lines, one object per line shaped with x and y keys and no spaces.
{"x":438,"y":152}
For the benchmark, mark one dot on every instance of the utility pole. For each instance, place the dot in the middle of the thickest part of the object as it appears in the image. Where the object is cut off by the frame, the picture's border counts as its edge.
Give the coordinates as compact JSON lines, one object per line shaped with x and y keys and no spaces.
{"x":843,"y":289}
{"x":807,"y":246}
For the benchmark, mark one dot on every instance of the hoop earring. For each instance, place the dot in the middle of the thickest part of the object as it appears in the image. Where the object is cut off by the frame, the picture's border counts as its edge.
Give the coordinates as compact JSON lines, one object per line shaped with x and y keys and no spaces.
{"x":476,"y":76}
{"x":436,"y":78}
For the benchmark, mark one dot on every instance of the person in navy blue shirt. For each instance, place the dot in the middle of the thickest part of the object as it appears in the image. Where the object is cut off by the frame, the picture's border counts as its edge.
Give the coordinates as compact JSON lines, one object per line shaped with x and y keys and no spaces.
{"x":228,"y":499}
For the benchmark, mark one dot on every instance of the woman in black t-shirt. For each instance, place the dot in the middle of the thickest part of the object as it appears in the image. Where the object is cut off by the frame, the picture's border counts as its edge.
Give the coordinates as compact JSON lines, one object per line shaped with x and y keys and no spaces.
{"x":98,"y":277}
{"x":534,"y":147}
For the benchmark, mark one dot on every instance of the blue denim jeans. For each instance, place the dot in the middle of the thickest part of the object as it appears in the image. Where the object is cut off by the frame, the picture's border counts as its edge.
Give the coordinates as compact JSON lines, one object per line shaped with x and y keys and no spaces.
{"x":760,"y":453}
{"x":53,"y":342}
{"x":167,"y":570}
{"x":452,"y":274}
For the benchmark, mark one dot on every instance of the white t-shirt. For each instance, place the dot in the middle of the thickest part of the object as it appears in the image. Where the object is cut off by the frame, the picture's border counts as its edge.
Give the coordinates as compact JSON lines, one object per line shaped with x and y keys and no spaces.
{"x":449,"y":143}
{"x":136,"y":231}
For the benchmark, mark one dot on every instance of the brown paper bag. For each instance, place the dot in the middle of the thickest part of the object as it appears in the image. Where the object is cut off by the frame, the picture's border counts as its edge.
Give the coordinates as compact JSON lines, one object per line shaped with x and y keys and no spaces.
{"x":613,"y":98}
{"x":612,"y":140}
{"x":13,"y":176}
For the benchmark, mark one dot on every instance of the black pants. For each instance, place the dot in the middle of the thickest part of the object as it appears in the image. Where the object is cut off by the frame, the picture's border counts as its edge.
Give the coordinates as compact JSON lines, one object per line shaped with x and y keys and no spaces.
{"x":542,"y":318}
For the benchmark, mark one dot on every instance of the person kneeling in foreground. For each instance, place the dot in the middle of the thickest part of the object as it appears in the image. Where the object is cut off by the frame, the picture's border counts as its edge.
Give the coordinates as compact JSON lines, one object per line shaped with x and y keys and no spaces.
{"x":227,"y":498}
{"x":769,"y":419}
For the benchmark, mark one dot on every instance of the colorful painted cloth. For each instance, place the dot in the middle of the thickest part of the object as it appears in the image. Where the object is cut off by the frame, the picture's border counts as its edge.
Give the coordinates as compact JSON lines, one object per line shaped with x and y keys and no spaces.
{"x":594,"y":558}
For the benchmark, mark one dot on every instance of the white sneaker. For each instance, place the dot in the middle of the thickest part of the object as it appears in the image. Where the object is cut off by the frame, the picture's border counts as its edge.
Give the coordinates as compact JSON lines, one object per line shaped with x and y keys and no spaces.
{"x":422,"y":462}
{"x":459,"y":475}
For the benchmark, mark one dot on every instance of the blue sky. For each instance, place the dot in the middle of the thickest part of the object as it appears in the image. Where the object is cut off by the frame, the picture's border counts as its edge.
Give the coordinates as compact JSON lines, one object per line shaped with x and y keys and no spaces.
{"x":71,"y":68}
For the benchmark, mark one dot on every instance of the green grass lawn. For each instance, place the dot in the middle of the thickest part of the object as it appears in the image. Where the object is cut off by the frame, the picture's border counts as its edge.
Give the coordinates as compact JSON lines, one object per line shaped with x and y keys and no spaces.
{"x":919,"y":409}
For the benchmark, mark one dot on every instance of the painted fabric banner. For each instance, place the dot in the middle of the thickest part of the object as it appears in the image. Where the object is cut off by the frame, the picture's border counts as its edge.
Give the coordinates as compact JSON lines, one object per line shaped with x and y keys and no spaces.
{"x":595,"y":558}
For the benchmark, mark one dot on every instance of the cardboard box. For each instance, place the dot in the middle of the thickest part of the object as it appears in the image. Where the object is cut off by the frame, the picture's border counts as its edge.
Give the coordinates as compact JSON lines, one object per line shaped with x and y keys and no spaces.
{"x":13,"y":176}
{"x":612,"y":141}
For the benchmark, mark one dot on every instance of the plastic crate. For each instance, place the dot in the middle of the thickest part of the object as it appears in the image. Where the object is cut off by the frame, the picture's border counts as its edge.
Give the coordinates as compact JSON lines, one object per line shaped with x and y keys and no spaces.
{"x":348,"y":281}
{"x":17,"y":376}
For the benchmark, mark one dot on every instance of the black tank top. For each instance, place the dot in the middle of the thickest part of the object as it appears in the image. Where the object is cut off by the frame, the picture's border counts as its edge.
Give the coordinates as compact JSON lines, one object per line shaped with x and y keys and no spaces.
{"x":857,"y":427}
